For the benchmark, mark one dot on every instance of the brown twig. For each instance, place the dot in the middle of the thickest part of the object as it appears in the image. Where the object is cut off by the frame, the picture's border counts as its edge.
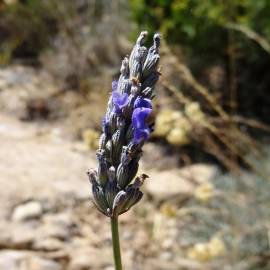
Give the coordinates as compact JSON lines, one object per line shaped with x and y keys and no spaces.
{"x":251,"y":122}
{"x":187,"y":76}
{"x":230,"y":143}
{"x":265,"y":44}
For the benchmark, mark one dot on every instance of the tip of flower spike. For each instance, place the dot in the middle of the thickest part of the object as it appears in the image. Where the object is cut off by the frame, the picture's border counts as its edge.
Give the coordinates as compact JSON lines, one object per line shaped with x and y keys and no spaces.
{"x":157,"y":38}
{"x":142,"y":37}
{"x":144,"y":33}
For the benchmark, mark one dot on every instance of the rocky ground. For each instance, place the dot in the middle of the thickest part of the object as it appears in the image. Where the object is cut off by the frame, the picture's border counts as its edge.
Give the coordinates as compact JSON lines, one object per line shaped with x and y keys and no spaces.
{"x":190,"y":218}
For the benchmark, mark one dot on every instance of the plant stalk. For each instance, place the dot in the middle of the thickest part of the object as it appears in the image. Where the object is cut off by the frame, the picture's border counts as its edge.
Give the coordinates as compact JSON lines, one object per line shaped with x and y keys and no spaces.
{"x":116,"y":243}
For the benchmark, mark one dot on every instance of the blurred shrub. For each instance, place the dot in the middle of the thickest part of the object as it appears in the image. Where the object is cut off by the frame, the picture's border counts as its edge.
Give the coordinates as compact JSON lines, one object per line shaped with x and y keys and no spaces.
{"x":26,"y":27}
{"x":72,"y":38}
{"x":192,"y":23}
{"x":89,"y":43}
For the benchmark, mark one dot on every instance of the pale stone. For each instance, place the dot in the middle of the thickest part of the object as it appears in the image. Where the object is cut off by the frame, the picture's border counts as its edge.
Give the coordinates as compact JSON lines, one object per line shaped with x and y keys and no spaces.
{"x":58,"y":226}
{"x":90,"y":258}
{"x":199,"y":173}
{"x":10,"y":260}
{"x":38,"y":263}
{"x":167,"y":184}
{"x":55,"y":172}
{"x":179,"y":182}
{"x":17,"y":235}
{"x":26,"y":211}
{"x":48,"y":244}
{"x":22,"y":237}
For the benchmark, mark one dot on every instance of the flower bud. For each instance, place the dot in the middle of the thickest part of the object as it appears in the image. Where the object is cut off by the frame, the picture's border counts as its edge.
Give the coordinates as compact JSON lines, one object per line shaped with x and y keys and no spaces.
{"x":117,"y":143}
{"x":118,"y":203}
{"x":126,"y":173}
{"x":150,"y":64}
{"x":125,"y":86}
{"x":100,"y":199}
{"x":138,"y":45}
{"x":110,"y":192}
{"x":102,"y":168}
{"x":112,"y":122}
{"x":102,"y":141}
{"x":151,"y":80}
{"x":112,"y":173}
{"x":133,"y":195}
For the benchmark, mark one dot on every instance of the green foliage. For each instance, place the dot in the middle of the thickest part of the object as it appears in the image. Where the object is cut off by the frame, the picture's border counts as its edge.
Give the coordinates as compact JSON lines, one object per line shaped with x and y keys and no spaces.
{"x":186,"y":17}
{"x":199,"y":25}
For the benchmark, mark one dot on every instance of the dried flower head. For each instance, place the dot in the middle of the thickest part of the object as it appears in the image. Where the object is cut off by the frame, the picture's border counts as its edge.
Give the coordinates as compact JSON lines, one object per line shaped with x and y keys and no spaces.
{"x":126,"y":126}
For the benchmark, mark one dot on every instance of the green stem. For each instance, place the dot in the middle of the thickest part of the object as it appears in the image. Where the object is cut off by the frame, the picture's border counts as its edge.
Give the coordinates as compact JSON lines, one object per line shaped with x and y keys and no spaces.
{"x":116,"y":243}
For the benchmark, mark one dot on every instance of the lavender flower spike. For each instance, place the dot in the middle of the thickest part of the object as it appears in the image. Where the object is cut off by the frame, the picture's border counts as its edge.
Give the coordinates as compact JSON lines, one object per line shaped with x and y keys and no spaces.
{"x":126,"y":126}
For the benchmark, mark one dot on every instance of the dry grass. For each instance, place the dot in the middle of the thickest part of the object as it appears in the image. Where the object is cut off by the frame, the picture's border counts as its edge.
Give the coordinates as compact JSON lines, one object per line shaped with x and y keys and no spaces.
{"x":220,"y":134}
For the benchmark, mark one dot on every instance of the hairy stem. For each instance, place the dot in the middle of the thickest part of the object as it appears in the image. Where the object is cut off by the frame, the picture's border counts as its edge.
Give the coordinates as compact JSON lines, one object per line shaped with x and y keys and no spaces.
{"x":116,"y":243}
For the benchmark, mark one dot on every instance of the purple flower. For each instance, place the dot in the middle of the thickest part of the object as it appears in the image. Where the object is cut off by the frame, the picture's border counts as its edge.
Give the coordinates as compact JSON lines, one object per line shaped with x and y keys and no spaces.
{"x":114,"y":85}
{"x":141,"y":129}
{"x":119,"y":101}
{"x":141,"y":102}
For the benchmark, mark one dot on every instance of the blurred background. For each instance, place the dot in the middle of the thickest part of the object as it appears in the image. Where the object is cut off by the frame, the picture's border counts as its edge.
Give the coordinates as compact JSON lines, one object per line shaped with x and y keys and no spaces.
{"x":206,"y":203}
